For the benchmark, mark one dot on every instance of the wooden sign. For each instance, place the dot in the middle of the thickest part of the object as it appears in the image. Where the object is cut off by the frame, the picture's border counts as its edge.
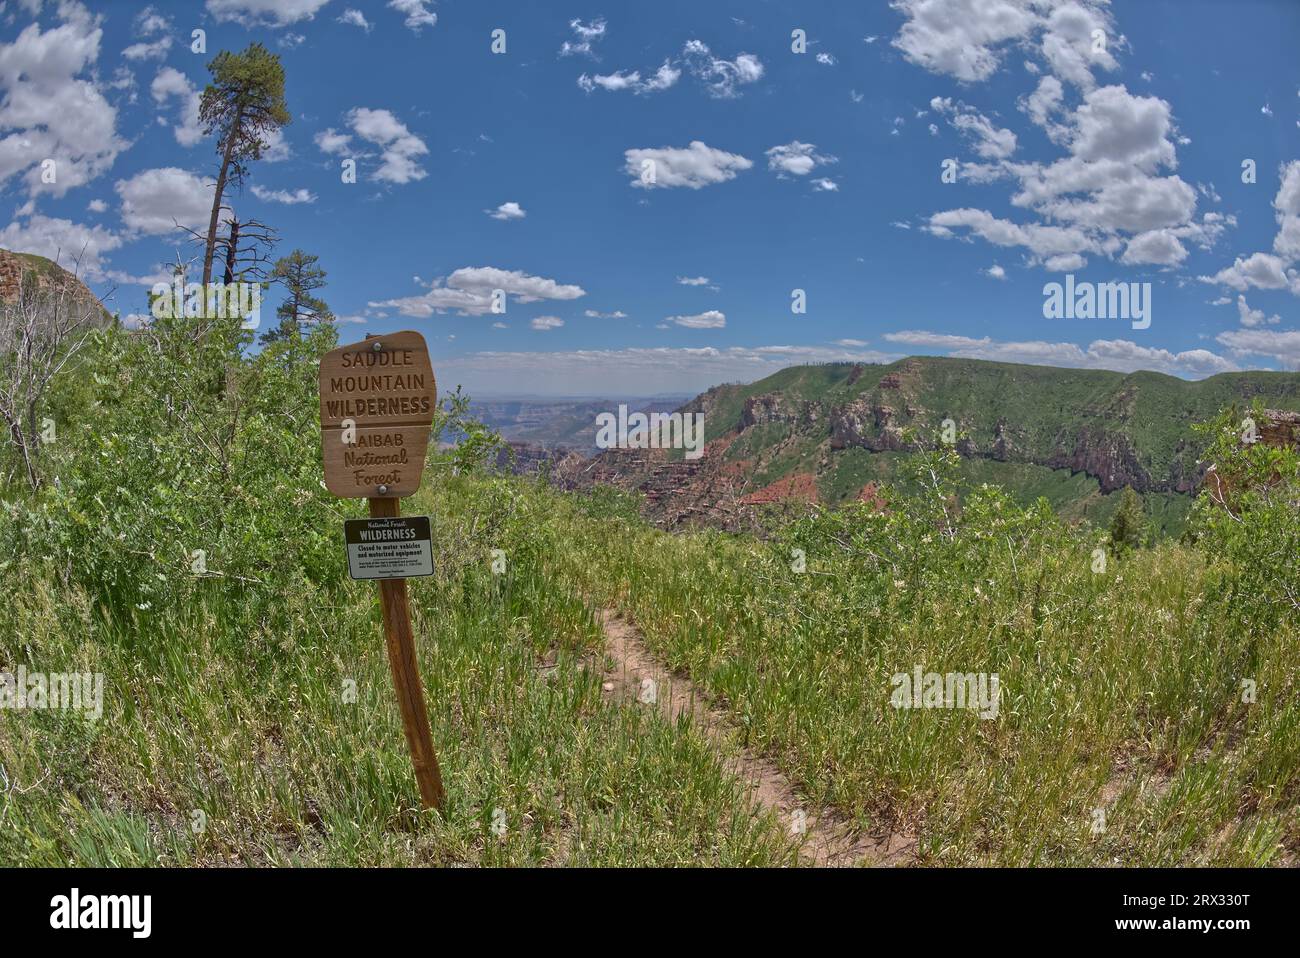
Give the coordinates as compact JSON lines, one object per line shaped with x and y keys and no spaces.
{"x":377,"y":400}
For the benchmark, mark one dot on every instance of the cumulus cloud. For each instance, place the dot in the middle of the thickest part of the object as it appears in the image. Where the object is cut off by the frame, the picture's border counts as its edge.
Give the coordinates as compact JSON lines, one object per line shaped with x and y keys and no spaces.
{"x":796,"y":159}
{"x":507,"y":211}
{"x":1117,"y":354}
{"x":1272,"y":270}
{"x":967,"y":39}
{"x":333,"y":142}
{"x":1251,"y":318}
{"x":399,"y":147}
{"x":468,"y":291}
{"x":709,"y":319}
{"x":417,"y":14}
{"x":74,"y":246}
{"x":991,"y":142}
{"x":597,"y":314}
{"x":272,"y":13}
{"x":1107,"y":196}
{"x":355,"y":18}
{"x":170,"y":83}
{"x":156,"y":201}
{"x":50,"y":111}
{"x":1282,"y":346}
{"x":996,"y":271}
{"x":544,"y":323}
{"x":1114,"y":192}
{"x":1260,"y":270}
{"x":695,"y":166}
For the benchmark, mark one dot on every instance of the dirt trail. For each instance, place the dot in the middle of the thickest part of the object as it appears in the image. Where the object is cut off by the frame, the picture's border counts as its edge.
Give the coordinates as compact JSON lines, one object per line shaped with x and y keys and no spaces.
{"x":829,"y":838}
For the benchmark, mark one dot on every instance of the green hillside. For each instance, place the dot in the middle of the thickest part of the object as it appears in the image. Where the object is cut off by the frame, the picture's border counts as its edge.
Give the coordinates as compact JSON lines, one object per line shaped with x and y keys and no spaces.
{"x":1072,"y":436}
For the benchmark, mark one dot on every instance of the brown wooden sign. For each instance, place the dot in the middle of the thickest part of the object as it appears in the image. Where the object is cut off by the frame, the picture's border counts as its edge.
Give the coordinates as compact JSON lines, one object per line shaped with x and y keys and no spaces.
{"x":377,"y":400}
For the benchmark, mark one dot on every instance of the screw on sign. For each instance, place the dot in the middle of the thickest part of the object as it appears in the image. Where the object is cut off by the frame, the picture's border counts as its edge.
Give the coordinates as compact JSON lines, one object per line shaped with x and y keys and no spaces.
{"x":377,"y":400}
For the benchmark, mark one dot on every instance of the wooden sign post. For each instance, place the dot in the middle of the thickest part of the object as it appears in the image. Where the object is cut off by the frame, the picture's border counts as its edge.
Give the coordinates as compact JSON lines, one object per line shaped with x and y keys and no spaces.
{"x":377,"y":400}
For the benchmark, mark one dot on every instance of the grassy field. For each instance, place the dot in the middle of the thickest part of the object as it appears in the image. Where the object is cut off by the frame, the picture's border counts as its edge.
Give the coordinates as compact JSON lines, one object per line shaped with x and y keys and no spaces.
{"x":1147,"y":712}
{"x":224,"y":741}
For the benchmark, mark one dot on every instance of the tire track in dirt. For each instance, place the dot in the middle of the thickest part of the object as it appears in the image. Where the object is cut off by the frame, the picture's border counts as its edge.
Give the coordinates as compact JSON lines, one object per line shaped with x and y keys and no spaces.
{"x":829,"y":837}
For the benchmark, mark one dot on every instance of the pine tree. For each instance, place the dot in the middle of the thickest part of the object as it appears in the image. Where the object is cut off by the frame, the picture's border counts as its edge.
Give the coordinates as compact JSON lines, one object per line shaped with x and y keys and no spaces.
{"x":1128,"y":524}
{"x":301,"y":277}
{"x":243,"y":105}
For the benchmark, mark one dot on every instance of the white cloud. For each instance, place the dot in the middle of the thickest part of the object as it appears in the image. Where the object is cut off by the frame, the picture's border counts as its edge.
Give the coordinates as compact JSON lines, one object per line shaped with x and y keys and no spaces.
{"x":399,"y":146}
{"x":1158,"y":247}
{"x":154,"y":201}
{"x":826,"y":59}
{"x":274,"y":13}
{"x":796,"y":159}
{"x":709,"y":319}
{"x":587,"y":34}
{"x":333,"y":142}
{"x":721,"y":76}
{"x":469,"y":290}
{"x":961,"y":38}
{"x":49,"y":112}
{"x":64,"y":241}
{"x":693,"y":280}
{"x":97,"y":206}
{"x":1116,"y":354}
{"x":1266,"y":270}
{"x":991,"y":142}
{"x":966,"y":39}
{"x":507,"y":211}
{"x":825,"y":185}
{"x":1283,"y":346}
{"x":996,"y":271}
{"x":169,"y":83}
{"x":149,"y":22}
{"x":695,"y":166}
{"x":544,"y":323}
{"x":1287,"y":204}
{"x":418,"y":16}
{"x":1260,"y":270}
{"x":597,"y":314}
{"x":662,"y":79}
{"x":1254,"y":317}
{"x":149,"y":50}
{"x":355,"y":18}
{"x":1105,"y":197}
{"x":301,"y":195}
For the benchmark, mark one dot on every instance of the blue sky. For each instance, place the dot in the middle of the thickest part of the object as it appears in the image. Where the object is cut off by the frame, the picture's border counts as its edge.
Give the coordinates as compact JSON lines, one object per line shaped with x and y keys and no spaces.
{"x":1113,"y":157}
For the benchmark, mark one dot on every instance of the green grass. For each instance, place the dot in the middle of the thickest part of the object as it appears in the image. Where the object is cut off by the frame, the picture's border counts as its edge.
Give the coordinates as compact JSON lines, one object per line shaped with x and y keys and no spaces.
{"x":1121,"y":690}
{"x":251,"y":731}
